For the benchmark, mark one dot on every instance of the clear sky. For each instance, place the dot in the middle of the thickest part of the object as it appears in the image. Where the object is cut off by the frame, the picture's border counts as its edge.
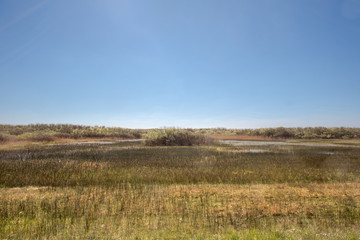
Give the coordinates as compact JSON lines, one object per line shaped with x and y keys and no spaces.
{"x":184,"y":63}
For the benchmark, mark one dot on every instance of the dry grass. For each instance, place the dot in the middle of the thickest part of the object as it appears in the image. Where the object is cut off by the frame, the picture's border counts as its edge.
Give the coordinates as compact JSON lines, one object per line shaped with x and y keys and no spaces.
{"x":131,"y":191}
{"x":274,"y":199}
{"x":202,"y":210}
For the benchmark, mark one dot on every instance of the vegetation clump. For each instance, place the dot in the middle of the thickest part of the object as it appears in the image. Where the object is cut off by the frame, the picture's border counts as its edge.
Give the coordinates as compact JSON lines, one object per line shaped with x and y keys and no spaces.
{"x":175,"y":137}
{"x":3,"y":138}
{"x":41,"y":137}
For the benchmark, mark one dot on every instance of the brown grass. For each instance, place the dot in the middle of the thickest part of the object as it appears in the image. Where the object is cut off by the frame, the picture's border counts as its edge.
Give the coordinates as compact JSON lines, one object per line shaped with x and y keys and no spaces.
{"x":272,"y":200}
{"x":133,"y":211}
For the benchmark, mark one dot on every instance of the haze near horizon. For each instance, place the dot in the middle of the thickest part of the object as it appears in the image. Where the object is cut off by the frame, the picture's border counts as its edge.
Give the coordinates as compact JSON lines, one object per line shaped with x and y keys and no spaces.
{"x":146,"y":64}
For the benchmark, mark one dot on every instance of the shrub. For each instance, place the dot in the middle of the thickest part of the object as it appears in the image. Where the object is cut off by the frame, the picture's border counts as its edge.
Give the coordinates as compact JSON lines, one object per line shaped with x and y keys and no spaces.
{"x":39,"y":136}
{"x":175,"y":137}
{"x":43,"y":137}
{"x":3,"y":138}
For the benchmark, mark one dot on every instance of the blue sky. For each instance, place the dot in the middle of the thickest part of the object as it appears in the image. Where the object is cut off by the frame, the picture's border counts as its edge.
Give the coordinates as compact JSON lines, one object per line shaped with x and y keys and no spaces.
{"x":142,"y":64}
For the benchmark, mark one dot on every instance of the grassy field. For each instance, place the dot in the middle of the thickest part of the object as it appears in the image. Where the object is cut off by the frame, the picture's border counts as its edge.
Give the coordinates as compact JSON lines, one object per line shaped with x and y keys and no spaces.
{"x":127,"y":190}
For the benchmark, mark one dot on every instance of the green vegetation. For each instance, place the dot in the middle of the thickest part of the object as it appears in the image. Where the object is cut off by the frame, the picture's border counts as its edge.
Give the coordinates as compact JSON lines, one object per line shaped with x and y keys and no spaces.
{"x":132,"y":191}
{"x":303,"y":133}
{"x":175,"y":137}
{"x":90,"y":165}
{"x":48,"y":132}
{"x":3,"y":138}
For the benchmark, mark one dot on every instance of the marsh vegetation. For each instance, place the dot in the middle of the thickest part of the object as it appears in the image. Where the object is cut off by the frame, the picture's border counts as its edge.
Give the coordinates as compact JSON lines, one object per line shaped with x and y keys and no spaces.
{"x":51,"y":132}
{"x":130,"y":190}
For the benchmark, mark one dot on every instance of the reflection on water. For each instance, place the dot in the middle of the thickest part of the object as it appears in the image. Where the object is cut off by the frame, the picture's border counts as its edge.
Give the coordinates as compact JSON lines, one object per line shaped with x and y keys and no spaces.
{"x":326,"y":153}
{"x":258,"y":150}
{"x":265,"y":144}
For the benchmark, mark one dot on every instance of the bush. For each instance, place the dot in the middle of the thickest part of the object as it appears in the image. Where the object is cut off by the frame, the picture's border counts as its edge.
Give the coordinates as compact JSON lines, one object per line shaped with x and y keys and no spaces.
{"x":175,"y":137}
{"x":3,"y":138}
{"x":39,"y":137}
{"x":43,"y":137}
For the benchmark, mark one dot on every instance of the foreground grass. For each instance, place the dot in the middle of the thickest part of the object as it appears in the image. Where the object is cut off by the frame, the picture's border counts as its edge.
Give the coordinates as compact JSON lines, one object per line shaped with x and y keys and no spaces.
{"x":129,"y":191}
{"x":156,"y":211}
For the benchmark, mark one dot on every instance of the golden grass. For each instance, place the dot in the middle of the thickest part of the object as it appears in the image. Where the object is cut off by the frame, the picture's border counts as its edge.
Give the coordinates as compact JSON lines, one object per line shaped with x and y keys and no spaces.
{"x":155,"y":211}
{"x":272,"y":199}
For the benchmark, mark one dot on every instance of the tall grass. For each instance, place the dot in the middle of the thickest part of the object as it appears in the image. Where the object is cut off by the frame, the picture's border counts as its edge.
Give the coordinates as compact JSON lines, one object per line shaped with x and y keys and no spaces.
{"x":175,"y":137}
{"x":113,"y":164}
{"x":181,"y":211}
{"x":128,"y":190}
